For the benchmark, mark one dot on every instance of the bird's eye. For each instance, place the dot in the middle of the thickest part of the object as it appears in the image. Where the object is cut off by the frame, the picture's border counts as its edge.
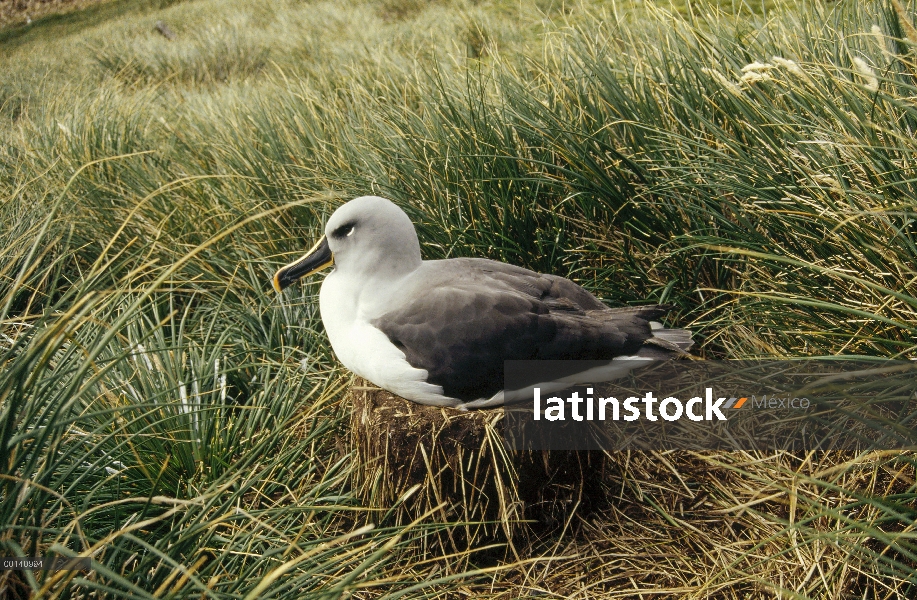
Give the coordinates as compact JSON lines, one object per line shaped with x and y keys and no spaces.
{"x":345,"y":230}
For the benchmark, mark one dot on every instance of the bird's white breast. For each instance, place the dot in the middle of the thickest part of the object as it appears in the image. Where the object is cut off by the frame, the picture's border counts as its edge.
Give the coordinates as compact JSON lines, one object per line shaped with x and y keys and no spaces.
{"x":347,"y":310}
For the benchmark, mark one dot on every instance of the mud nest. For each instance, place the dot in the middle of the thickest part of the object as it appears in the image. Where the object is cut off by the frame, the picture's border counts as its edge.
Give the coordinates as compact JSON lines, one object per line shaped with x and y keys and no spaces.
{"x":455,"y":466}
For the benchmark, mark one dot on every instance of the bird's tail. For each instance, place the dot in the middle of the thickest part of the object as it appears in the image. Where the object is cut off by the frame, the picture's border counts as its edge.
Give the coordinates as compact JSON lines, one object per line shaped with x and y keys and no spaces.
{"x":666,"y":343}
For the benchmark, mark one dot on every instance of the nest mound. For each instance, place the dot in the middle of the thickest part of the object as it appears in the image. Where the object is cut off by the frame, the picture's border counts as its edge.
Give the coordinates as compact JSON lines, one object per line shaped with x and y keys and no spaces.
{"x":417,"y":460}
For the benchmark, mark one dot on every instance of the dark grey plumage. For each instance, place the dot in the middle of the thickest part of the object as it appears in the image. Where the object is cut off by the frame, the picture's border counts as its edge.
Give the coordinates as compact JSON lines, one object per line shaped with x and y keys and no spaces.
{"x":487,"y":312}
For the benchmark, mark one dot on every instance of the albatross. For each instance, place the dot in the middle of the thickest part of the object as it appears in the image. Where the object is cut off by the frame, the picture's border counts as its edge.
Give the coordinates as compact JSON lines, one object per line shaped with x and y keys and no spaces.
{"x":436,"y":332}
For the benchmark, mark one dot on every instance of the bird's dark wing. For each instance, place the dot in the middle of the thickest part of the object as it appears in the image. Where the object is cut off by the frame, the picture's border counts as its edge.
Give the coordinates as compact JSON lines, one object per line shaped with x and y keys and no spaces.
{"x":473,"y":314}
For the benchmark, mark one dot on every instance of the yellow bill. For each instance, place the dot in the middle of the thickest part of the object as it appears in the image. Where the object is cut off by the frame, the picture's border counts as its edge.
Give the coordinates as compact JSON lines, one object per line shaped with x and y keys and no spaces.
{"x":316,"y":259}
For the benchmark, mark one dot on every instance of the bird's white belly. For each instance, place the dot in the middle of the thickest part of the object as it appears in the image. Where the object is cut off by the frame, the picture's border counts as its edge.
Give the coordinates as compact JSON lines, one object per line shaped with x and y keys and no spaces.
{"x":367,"y":351}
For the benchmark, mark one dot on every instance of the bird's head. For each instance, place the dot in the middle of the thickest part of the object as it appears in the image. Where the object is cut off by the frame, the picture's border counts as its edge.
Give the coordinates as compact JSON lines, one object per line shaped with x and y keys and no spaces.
{"x":367,"y":236}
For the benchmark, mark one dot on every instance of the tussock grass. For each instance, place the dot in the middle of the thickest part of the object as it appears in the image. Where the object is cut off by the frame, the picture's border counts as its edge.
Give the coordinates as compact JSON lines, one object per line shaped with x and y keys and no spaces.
{"x":163,"y":411}
{"x":205,"y":58}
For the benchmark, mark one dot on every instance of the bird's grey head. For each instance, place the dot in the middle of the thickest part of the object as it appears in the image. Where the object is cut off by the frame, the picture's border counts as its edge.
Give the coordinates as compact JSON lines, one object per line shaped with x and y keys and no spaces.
{"x":368,"y":236}
{"x":372,"y":234}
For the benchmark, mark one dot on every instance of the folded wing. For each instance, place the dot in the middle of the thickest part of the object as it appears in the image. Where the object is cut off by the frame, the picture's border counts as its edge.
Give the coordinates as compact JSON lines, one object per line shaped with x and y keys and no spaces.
{"x":476,"y":313}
